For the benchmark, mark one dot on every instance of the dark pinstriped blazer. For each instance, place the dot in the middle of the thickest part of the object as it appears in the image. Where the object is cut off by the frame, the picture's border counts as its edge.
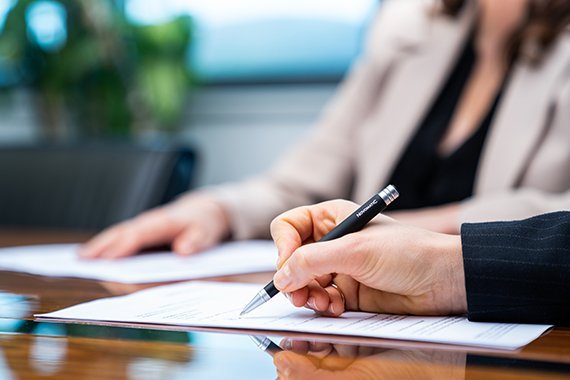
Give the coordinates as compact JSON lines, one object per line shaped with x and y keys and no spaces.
{"x":518,"y":271}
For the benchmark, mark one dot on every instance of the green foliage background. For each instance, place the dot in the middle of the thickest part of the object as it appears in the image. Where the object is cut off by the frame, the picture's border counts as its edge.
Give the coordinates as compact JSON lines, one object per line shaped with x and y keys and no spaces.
{"x":111,"y":78}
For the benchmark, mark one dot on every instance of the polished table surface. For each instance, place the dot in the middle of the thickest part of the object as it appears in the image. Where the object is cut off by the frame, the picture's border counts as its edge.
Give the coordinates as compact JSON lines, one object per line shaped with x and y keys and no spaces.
{"x":31,"y":350}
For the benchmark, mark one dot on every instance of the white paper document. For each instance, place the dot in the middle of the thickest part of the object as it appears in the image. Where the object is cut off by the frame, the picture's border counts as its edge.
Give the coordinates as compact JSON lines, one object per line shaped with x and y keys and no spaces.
{"x":62,"y":261}
{"x":210,"y":304}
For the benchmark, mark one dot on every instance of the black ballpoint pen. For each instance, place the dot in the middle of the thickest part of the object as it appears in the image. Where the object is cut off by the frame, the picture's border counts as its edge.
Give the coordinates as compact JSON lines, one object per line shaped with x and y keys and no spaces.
{"x":354,"y":222}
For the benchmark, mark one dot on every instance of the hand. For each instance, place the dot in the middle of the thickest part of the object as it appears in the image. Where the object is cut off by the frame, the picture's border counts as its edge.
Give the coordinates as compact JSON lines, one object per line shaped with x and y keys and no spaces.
{"x":319,"y":360}
{"x":121,"y":289}
{"x":387,"y":267}
{"x":444,"y":219}
{"x":192,"y":223}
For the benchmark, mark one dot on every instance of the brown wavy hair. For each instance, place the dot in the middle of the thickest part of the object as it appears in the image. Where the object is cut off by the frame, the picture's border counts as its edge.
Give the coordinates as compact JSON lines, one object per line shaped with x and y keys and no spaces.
{"x":545,"y":21}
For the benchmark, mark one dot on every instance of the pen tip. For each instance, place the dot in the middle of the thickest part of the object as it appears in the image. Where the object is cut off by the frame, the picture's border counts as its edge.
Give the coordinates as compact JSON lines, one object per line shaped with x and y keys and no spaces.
{"x":257,"y":301}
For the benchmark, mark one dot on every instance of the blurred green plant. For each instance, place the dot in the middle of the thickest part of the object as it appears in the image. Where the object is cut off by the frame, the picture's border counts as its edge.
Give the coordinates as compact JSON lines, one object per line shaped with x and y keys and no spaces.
{"x":107,"y":78}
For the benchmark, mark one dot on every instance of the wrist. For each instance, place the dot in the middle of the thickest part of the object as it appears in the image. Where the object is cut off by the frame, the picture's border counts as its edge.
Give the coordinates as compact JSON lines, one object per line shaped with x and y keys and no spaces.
{"x":451,"y":218}
{"x":446,"y":250}
{"x":456,"y":274}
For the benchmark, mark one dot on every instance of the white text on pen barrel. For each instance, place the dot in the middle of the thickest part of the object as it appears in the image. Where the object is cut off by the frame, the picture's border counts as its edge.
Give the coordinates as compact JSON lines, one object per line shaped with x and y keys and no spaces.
{"x":359,"y":214}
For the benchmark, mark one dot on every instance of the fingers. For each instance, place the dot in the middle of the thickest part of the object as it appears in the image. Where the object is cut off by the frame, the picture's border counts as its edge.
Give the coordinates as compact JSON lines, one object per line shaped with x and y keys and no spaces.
{"x":326,"y":300}
{"x":299,"y":297}
{"x":291,"y":365}
{"x":192,"y":240}
{"x":125,"y":239}
{"x":97,"y":245}
{"x":336,"y":304}
{"x":296,"y":345}
{"x":314,"y":348}
{"x":315,"y":260}
{"x":309,"y":223}
{"x":192,"y":224}
{"x":310,"y":296}
{"x":289,"y":230}
{"x":206,"y":224}
{"x":318,"y":298}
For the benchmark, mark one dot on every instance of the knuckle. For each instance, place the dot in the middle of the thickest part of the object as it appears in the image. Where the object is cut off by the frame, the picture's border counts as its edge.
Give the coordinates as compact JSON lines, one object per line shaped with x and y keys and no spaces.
{"x":115,"y":232}
{"x":129,"y":235}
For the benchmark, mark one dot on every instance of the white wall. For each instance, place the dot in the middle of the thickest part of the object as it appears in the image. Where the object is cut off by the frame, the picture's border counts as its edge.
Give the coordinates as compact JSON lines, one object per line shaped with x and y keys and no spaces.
{"x":241,"y":131}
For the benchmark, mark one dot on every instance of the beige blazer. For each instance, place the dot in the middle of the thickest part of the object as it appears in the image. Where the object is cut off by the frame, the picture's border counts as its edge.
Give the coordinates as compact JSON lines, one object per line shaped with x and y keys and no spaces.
{"x":352,"y":150}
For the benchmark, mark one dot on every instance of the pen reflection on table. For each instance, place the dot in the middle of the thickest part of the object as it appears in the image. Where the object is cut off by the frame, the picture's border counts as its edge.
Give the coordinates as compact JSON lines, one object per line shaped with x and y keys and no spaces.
{"x":303,"y":359}
{"x":265,"y":344}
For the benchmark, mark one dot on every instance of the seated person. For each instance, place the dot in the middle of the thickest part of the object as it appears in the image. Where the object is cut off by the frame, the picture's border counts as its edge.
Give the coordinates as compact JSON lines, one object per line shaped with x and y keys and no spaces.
{"x":501,"y":272}
{"x":464,"y":105}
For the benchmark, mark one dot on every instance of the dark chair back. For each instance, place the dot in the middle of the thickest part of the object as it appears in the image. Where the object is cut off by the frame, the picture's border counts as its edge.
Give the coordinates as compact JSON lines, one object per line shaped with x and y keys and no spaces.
{"x":88,"y":187}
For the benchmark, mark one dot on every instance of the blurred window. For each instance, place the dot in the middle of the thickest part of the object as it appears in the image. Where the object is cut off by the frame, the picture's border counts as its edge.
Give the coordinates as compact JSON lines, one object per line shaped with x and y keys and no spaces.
{"x":46,"y":21}
{"x":266,"y":40}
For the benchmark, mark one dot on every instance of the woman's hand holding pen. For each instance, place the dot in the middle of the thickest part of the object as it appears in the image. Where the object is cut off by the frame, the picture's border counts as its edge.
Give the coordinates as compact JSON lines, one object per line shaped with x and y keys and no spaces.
{"x":191,"y":224}
{"x":387,"y":267}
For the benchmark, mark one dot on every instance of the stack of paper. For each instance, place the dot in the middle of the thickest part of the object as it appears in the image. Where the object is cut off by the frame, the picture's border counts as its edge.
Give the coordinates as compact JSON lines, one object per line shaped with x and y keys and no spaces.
{"x":63,"y":261}
{"x":209,"y":304}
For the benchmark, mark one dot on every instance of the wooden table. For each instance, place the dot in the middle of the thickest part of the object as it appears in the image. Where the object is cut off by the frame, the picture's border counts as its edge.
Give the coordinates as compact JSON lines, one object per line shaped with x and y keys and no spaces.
{"x":31,"y":350}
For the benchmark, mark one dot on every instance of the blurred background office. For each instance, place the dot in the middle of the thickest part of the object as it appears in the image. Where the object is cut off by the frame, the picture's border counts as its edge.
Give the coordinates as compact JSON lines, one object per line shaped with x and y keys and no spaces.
{"x":237,"y":83}
{"x":240,"y":81}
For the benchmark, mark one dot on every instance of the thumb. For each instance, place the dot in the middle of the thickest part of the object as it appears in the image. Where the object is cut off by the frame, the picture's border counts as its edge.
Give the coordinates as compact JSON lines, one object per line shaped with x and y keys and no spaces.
{"x":315,"y":260}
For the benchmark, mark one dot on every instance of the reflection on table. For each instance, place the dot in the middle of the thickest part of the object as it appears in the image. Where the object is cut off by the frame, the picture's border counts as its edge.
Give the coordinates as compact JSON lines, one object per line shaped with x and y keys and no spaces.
{"x":317,"y":359}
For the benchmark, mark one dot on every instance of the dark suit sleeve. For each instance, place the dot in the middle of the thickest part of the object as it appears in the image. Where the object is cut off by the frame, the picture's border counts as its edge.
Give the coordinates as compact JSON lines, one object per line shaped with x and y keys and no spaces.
{"x":518,"y":271}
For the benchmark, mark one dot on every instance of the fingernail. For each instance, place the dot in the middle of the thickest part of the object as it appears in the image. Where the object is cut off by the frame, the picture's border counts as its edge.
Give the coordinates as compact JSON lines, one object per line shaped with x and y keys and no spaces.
{"x":332,"y":309}
{"x":282,"y":278}
{"x":287,"y":345}
{"x":311,"y":302}
{"x":186,"y":248}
